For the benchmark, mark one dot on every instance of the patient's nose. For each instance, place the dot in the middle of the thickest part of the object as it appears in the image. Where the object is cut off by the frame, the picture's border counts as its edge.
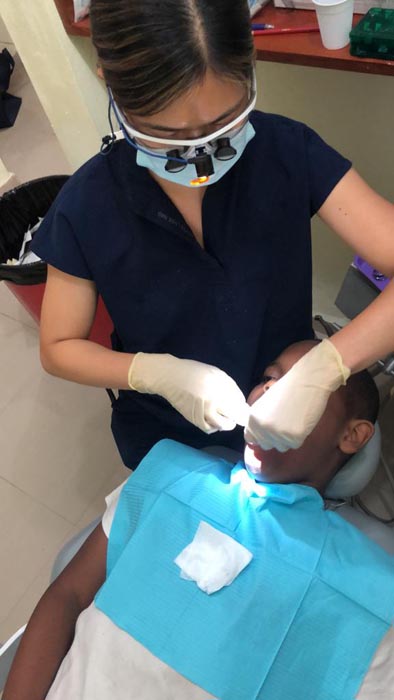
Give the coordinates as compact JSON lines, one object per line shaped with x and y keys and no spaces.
{"x":268,"y":384}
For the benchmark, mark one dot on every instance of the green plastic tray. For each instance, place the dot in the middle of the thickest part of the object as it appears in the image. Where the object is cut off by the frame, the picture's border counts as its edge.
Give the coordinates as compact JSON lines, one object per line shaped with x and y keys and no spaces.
{"x":373,"y":36}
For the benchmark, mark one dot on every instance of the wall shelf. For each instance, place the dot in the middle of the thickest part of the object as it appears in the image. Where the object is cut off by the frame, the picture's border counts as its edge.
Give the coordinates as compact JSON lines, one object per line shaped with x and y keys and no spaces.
{"x":297,"y":49}
{"x":65,"y":9}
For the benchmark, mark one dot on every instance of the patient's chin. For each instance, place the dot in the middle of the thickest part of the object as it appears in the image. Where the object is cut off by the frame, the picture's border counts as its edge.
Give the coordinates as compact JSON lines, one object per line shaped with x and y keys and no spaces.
{"x":267,"y":466}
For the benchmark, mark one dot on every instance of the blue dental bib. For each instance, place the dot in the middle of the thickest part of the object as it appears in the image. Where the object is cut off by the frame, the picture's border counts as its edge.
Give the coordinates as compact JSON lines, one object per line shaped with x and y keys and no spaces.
{"x":301,"y":622}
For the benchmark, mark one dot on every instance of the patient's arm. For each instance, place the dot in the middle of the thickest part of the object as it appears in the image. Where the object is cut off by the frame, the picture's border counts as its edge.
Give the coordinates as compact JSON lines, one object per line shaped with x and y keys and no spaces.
{"x":50,"y":631}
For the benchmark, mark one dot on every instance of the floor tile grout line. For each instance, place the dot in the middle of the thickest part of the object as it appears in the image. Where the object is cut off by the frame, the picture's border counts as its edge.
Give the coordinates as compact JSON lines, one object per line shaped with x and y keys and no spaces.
{"x":51,"y":510}
{"x":22,"y":323}
{"x":108,"y":477}
{"x":38,"y":502}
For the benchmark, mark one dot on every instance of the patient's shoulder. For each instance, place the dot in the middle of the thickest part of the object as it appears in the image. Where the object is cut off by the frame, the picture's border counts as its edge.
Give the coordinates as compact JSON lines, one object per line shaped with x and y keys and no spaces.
{"x":167,"y":462}
{"x":377,"y":532}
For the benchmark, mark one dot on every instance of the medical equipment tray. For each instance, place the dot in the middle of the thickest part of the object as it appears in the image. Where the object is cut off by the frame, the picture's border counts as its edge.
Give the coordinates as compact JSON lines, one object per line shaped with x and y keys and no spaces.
{"x":373,"y":36}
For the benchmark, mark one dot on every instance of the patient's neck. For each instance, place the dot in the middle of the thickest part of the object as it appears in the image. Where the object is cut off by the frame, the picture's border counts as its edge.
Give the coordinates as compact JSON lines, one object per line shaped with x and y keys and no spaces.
{"x":321,"y":472}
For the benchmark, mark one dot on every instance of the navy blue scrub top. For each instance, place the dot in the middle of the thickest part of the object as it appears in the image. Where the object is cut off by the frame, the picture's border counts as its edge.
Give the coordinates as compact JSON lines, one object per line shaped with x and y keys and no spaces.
{"x":235,"y":304}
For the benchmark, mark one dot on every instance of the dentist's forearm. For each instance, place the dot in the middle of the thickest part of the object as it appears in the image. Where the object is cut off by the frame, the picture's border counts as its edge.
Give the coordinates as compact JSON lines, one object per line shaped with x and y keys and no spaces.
{"x":370,"y":336}
{"x":86,"y":362}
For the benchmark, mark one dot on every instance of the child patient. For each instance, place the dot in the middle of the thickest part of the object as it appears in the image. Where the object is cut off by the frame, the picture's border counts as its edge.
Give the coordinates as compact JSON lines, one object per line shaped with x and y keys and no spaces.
{"x":301,"y":604}
{"x":345,"y":427}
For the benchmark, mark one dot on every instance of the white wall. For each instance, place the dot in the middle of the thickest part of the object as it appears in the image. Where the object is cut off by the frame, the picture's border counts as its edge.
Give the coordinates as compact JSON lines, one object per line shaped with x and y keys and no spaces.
{"x":353,"y":112}
{"x":62,"y":74}
{"x":5,"y":39}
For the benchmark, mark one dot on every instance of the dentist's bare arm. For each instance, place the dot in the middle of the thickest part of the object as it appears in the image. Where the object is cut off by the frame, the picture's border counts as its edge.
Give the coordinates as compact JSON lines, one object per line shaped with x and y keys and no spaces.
{"x":67,"y":317}
{"x":50,"y":631}
{"x":205,"y":395}
{"x":365,"y":221}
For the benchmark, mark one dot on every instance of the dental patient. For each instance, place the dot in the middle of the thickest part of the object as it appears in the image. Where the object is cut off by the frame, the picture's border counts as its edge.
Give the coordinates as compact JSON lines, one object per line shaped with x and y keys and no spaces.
{"x":209,"y":580}
{"x":345,"y":427}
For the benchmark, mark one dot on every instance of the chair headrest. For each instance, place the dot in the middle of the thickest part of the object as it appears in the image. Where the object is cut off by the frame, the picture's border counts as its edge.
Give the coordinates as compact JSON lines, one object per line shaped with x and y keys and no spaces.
{"x":358,"y":471}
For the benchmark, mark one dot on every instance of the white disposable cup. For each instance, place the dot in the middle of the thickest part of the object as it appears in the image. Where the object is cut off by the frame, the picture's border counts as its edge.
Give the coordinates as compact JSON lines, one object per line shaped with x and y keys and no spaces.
{"x":335,"y":21}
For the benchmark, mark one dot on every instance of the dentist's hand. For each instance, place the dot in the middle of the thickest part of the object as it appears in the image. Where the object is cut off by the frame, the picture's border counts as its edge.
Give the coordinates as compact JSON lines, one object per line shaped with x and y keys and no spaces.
{"x":203,"y":394}
{"x":286,"y":414}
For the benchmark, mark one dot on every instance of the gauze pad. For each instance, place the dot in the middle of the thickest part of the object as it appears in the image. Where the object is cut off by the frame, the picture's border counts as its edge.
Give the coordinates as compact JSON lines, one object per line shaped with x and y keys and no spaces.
{"x":212,"y":559}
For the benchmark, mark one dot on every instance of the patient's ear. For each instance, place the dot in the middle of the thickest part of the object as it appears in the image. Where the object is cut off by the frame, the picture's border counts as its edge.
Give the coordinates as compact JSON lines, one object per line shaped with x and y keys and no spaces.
{"x":356,"y":434}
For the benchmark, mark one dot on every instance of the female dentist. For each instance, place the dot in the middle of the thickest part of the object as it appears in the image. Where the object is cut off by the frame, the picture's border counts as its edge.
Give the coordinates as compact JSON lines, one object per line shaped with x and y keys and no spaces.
{"x":195,"y":230}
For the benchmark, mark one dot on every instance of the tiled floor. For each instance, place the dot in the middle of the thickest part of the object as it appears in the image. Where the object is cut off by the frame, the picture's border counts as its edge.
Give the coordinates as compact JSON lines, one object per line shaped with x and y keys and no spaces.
{"x":57,"y":456}
{"x":30,"y":148}
{"x":57,"y":462}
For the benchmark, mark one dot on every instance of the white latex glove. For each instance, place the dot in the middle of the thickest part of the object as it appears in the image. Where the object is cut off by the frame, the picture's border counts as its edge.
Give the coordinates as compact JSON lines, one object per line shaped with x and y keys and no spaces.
{"x":203,"y":394}
{"x":287,"y":413}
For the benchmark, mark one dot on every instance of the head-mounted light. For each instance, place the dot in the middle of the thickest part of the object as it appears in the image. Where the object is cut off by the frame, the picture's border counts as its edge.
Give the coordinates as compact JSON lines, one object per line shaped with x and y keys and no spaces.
{"x":181,"y":152}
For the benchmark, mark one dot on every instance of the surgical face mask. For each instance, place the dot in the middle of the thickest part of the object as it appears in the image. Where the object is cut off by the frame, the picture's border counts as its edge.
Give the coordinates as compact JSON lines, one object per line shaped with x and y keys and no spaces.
{"x":188,"y":174}
{"x":192,"y":162}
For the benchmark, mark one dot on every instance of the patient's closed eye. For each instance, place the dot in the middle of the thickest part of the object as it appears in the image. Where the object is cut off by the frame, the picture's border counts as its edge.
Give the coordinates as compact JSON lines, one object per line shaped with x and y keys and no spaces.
{"x":267,"y":378}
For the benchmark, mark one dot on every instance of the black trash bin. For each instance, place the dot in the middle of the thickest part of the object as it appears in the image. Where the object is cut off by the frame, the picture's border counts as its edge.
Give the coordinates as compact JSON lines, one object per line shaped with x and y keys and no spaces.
{"x":20,"y":208}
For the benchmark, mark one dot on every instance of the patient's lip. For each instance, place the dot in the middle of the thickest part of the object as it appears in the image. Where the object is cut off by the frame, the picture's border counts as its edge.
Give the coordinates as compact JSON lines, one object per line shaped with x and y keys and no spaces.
{"x":259,"y":453}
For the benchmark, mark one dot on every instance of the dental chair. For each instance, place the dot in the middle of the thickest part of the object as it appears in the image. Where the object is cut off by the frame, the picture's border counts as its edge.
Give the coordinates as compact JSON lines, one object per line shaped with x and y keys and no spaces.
{"x":349,"y":482}
{"x":351,"y":479}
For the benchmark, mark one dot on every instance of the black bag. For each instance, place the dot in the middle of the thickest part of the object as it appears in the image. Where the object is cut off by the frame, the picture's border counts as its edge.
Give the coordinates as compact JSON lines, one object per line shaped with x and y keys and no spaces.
{"x":19,"y":209}
{"x":7,"y":65}
{"x":9,"y":104}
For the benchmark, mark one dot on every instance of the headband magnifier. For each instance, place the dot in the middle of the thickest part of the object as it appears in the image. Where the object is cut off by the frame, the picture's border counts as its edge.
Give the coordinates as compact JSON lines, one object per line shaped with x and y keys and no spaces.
{"x":199,"y":152}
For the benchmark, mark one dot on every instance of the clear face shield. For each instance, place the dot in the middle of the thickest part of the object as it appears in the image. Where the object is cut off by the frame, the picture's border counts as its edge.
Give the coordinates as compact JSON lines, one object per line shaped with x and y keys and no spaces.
{"x":191,"y":162}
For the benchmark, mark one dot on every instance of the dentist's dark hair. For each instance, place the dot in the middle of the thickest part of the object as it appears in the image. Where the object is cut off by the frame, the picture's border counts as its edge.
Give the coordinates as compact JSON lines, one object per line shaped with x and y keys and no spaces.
{"x":151,"y":52}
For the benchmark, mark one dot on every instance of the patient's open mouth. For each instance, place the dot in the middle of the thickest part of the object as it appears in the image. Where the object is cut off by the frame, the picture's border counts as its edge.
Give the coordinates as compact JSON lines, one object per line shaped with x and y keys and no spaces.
{"x":258,"y":452}
{"x":254,"y":458}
